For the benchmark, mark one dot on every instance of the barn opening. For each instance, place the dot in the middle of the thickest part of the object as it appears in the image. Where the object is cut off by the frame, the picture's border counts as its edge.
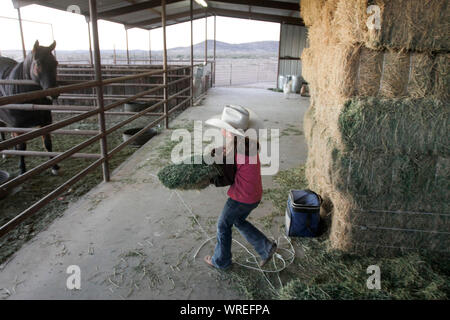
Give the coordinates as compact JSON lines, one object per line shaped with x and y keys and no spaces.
{"x":322,"y":126}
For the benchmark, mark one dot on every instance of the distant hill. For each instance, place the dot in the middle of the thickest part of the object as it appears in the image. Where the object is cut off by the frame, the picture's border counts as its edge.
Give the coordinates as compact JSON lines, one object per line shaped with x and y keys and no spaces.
{"x":265,"y":48}
{"x":223,"y":50}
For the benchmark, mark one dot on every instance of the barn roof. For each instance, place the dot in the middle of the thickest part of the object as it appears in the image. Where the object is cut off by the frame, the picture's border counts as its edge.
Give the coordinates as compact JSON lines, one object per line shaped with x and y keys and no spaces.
{"x":146,"y":14}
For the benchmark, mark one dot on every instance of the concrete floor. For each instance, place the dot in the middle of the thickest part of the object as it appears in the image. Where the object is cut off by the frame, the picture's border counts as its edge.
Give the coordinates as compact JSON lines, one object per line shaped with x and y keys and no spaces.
{"x":134,"y":239}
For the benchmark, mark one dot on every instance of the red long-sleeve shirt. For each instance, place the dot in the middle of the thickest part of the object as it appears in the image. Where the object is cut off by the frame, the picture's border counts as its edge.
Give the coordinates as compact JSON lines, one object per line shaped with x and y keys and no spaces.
{"x":247,"y":186}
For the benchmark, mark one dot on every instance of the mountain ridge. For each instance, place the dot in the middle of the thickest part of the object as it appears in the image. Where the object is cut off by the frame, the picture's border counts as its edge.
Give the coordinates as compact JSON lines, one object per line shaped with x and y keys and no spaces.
{"x":223,"y":49}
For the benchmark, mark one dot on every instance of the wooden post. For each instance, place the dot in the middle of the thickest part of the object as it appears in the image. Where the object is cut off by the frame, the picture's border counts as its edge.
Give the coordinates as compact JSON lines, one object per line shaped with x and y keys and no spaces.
{"x":98,"y":77}
{"x":163,"y":24}
{"x":192,"y":53}
{"x":21,"y":32}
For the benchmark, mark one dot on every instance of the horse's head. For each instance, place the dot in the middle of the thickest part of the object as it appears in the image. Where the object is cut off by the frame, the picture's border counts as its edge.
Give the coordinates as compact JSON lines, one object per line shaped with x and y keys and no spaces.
{"x":43,"y":65}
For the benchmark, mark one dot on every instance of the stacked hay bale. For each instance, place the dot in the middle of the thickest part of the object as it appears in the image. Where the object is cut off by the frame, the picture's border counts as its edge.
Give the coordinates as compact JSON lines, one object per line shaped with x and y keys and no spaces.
{"x":378,"y":125}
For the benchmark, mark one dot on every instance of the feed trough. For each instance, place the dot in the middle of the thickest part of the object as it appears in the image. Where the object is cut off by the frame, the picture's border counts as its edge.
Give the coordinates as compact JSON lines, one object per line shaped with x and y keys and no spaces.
{"x":142,"y":139}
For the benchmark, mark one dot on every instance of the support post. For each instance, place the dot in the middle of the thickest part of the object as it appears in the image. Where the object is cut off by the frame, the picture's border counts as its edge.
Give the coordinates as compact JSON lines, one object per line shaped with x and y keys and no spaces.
{"x":128,"y":52}
{"x":163,"y":24}
{"x":21,"y":32}
{"x":206,"y":37}
{"x":231,"y":72}
{"x":53,"y":39}
{"x":98,"y":77}
{"x":149,"y":48}
{"x":192,"y":53}
{"x":90,"y":42}
{"x":279,"y":51}
{"x":214,"y":72}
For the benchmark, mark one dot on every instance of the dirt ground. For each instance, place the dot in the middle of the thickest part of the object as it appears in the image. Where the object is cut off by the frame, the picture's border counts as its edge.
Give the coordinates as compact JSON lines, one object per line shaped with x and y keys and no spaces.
{"x":134,"y":239}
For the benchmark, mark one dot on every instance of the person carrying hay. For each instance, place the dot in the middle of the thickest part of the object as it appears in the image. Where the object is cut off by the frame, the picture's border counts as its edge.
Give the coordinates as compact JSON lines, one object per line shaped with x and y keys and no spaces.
{"x":242,"y":171}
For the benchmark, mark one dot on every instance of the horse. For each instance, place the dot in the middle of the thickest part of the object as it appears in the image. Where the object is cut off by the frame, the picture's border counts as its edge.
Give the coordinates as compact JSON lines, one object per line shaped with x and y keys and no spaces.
{"x":40,"y":66}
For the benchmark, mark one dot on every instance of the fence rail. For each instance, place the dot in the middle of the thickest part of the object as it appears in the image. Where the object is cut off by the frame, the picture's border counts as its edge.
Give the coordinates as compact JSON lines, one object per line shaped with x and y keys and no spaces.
{"x":231,"y":72}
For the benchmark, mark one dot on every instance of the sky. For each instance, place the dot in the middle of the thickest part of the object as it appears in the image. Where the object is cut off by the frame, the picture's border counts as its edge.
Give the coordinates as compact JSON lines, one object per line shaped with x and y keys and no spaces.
{"x":71,"y":33}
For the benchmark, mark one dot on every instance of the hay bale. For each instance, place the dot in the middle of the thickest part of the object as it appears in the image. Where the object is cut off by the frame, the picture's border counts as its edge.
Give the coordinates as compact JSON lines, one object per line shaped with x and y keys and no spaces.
{"x":321,"y":15}
{"x":350,"y":19}
{"x":341,"y":72}
{"x":378,"y":126}
{"x":310,"y":10}
{"x":187,"y":176}
{"x":441,"y":86}
{"x":394,"y":75}
{"x":369,"y":72}
{"x":420,"y":81}
{"x":396,"y":126}
{"x":309,"y":67}
{"x":405,"y":24}
{"x":384,"y":200}
{"x":386,"y":162}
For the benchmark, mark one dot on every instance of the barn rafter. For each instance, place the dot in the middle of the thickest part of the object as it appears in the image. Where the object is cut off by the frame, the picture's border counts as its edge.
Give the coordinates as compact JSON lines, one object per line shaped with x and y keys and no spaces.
{"x":135,"y":14}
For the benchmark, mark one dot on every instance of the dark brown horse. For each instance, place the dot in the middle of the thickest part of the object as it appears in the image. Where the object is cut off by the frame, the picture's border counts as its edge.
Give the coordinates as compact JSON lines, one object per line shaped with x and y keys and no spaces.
{"x":40,"y":65}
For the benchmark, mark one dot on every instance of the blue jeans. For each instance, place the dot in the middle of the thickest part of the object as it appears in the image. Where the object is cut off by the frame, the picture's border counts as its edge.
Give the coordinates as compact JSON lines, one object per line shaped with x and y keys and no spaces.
{"x":235,"y":213}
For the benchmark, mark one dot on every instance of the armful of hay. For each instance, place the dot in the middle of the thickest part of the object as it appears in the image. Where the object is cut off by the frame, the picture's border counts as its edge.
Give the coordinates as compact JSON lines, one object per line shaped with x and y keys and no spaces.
{"x":189,"y":176}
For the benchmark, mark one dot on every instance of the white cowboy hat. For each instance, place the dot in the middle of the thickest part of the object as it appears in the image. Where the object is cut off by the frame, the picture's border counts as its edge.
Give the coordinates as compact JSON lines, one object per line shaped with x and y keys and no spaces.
{"x":237,"y":120}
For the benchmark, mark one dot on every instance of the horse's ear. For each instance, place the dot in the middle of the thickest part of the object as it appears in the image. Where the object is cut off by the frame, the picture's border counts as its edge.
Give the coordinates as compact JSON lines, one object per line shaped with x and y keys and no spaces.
{"x":52,"y":46}
{"x":36,"y":46}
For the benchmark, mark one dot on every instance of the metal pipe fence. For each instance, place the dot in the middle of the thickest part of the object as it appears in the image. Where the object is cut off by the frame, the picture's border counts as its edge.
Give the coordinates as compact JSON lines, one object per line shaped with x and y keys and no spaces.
{"x":176,"y":92}
{"x":231,"y":72}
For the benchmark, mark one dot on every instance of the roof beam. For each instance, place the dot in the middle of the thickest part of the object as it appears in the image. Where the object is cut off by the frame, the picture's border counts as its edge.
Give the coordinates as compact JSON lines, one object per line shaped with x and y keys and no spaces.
{"x":256,"y":16}
{"x":220,"y":12}
{"x":174,"y":23}
{"x":148,"y":22}
{"x":133,"y":8}
{"x":265,"y":4}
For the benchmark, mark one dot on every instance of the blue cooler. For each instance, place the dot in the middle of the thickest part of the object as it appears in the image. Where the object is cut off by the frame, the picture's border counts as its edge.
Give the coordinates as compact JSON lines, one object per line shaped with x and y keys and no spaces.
{"x":303,"y":213}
